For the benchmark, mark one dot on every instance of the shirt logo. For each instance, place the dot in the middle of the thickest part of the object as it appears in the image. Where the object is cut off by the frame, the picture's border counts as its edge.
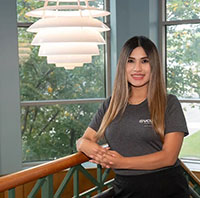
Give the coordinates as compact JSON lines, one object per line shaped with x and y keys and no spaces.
{"x":146,"y":122}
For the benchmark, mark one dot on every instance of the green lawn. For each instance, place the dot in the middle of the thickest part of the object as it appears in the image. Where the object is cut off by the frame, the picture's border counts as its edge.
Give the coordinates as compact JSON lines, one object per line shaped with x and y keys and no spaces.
{"x":191,"y":146}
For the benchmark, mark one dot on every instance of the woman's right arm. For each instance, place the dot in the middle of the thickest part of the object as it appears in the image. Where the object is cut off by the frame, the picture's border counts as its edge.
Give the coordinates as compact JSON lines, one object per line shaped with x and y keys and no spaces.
{"x":88,"y":145}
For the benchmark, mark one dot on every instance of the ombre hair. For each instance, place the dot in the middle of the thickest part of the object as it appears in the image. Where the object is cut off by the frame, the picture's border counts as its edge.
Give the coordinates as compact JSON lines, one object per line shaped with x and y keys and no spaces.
{"x":156,"y":93}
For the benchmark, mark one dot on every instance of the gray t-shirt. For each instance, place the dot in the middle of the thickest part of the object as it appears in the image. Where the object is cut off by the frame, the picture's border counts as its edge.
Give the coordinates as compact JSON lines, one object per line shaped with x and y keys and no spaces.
{"x":132,"y":134}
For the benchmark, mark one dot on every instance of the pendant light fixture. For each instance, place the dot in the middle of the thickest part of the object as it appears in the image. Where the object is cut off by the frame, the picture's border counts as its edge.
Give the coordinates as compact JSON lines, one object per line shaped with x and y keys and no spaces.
{"x":68,"y":33}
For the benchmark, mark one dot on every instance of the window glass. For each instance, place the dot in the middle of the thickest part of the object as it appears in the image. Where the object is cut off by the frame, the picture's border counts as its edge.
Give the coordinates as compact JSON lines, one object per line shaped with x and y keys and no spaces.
{"x":183,"y":66}
{"x":191,"y":144}
{"x":183,"y":60}
{"x":50,"y":132}
{"x":24,"y":6}
{"x":182,"y":9}
{"x":42,"y":81}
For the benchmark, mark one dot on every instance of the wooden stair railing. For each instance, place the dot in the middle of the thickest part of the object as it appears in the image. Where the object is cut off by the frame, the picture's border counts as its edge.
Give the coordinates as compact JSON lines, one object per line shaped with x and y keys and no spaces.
{"x":15,"y":179}
{"x":194,"y":182}
{"x":192,"y":175}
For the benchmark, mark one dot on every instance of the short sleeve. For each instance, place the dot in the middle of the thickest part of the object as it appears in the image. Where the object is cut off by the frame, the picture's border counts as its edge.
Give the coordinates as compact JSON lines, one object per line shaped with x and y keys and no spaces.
{"x":97,"y":119}
{"x":174,"y":117}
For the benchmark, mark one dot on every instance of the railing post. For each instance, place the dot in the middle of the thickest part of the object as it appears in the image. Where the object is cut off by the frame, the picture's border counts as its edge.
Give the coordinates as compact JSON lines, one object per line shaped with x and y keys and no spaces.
{"x":47,"y":187}
{"x":36,"y":187}
{"x":76,"y":183}
{"x":99,"y":177}
{"x":11,"y":193}
{"x":64,"y":183}
{"x":197,"y":188}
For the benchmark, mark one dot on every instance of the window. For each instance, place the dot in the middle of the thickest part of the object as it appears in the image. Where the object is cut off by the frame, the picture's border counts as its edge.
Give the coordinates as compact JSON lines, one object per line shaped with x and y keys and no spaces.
{"x":56,"y":104}
{"x":181,"y":47}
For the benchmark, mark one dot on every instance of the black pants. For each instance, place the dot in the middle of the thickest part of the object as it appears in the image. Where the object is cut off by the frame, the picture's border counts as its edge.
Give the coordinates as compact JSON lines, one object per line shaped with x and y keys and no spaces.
{"x":169,"y":183}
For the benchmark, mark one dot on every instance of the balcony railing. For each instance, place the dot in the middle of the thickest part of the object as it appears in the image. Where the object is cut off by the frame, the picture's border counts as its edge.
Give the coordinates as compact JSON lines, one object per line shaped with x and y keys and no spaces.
{"x":44,"y":176}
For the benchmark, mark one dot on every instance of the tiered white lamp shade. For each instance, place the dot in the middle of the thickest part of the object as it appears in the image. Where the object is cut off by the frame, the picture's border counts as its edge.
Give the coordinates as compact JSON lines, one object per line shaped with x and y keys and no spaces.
{"x":69,"y":59}
{"x":68,"y":38}
{"x":72,"y":22}
{"x":68,"y":48}
{"x":69,"y":65}
{"x":74,"y":10}
{"x":64,"y":36}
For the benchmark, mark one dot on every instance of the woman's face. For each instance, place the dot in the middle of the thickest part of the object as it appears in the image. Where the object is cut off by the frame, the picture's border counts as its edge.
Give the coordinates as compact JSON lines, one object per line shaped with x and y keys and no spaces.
{"x":138,"y":68}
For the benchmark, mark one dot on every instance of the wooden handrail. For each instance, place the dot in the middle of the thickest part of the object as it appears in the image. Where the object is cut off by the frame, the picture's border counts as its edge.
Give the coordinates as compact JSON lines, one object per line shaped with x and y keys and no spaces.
{"x":15,"y":179}
{"x":194,"y":177}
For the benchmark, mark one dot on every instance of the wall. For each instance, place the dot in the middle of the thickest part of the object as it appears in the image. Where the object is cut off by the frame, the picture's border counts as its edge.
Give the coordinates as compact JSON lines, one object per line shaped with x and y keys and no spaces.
{"x":10,"y":136}
{"x":130,"y":18}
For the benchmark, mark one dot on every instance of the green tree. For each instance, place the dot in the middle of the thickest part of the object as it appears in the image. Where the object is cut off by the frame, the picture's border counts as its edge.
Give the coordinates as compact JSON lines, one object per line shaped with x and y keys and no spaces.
{"x":182,"y":9}
{"x":50,"y":131}
{"x":183,"y":46}
{"x":183,"y":60}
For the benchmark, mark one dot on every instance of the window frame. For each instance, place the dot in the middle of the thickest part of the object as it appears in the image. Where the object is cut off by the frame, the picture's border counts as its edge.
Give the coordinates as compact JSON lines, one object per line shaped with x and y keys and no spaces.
{"x":107,"y":72}
{"x":107,"y":82}
{"x":163,"y":23}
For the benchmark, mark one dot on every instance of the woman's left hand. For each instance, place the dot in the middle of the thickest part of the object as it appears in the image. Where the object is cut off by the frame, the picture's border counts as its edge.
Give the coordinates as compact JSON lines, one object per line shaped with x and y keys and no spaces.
{"x":113,"y":159}
{"x":110,"y":159}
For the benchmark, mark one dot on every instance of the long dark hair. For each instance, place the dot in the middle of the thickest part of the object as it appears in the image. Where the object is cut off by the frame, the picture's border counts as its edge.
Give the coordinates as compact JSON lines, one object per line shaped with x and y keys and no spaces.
{"x":122,"y":90}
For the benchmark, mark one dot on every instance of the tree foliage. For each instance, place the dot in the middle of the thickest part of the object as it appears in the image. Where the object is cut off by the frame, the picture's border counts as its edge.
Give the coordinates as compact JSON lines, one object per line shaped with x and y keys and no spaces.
{"x":182,"y":9}
{"x":183,"y":61}
{"x":183,"y":47}
{"x":50,"y":131}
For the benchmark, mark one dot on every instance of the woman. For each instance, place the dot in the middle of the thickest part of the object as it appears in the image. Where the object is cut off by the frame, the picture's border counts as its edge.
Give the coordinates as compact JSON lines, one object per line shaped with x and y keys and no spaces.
{"x":143,"y":126}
